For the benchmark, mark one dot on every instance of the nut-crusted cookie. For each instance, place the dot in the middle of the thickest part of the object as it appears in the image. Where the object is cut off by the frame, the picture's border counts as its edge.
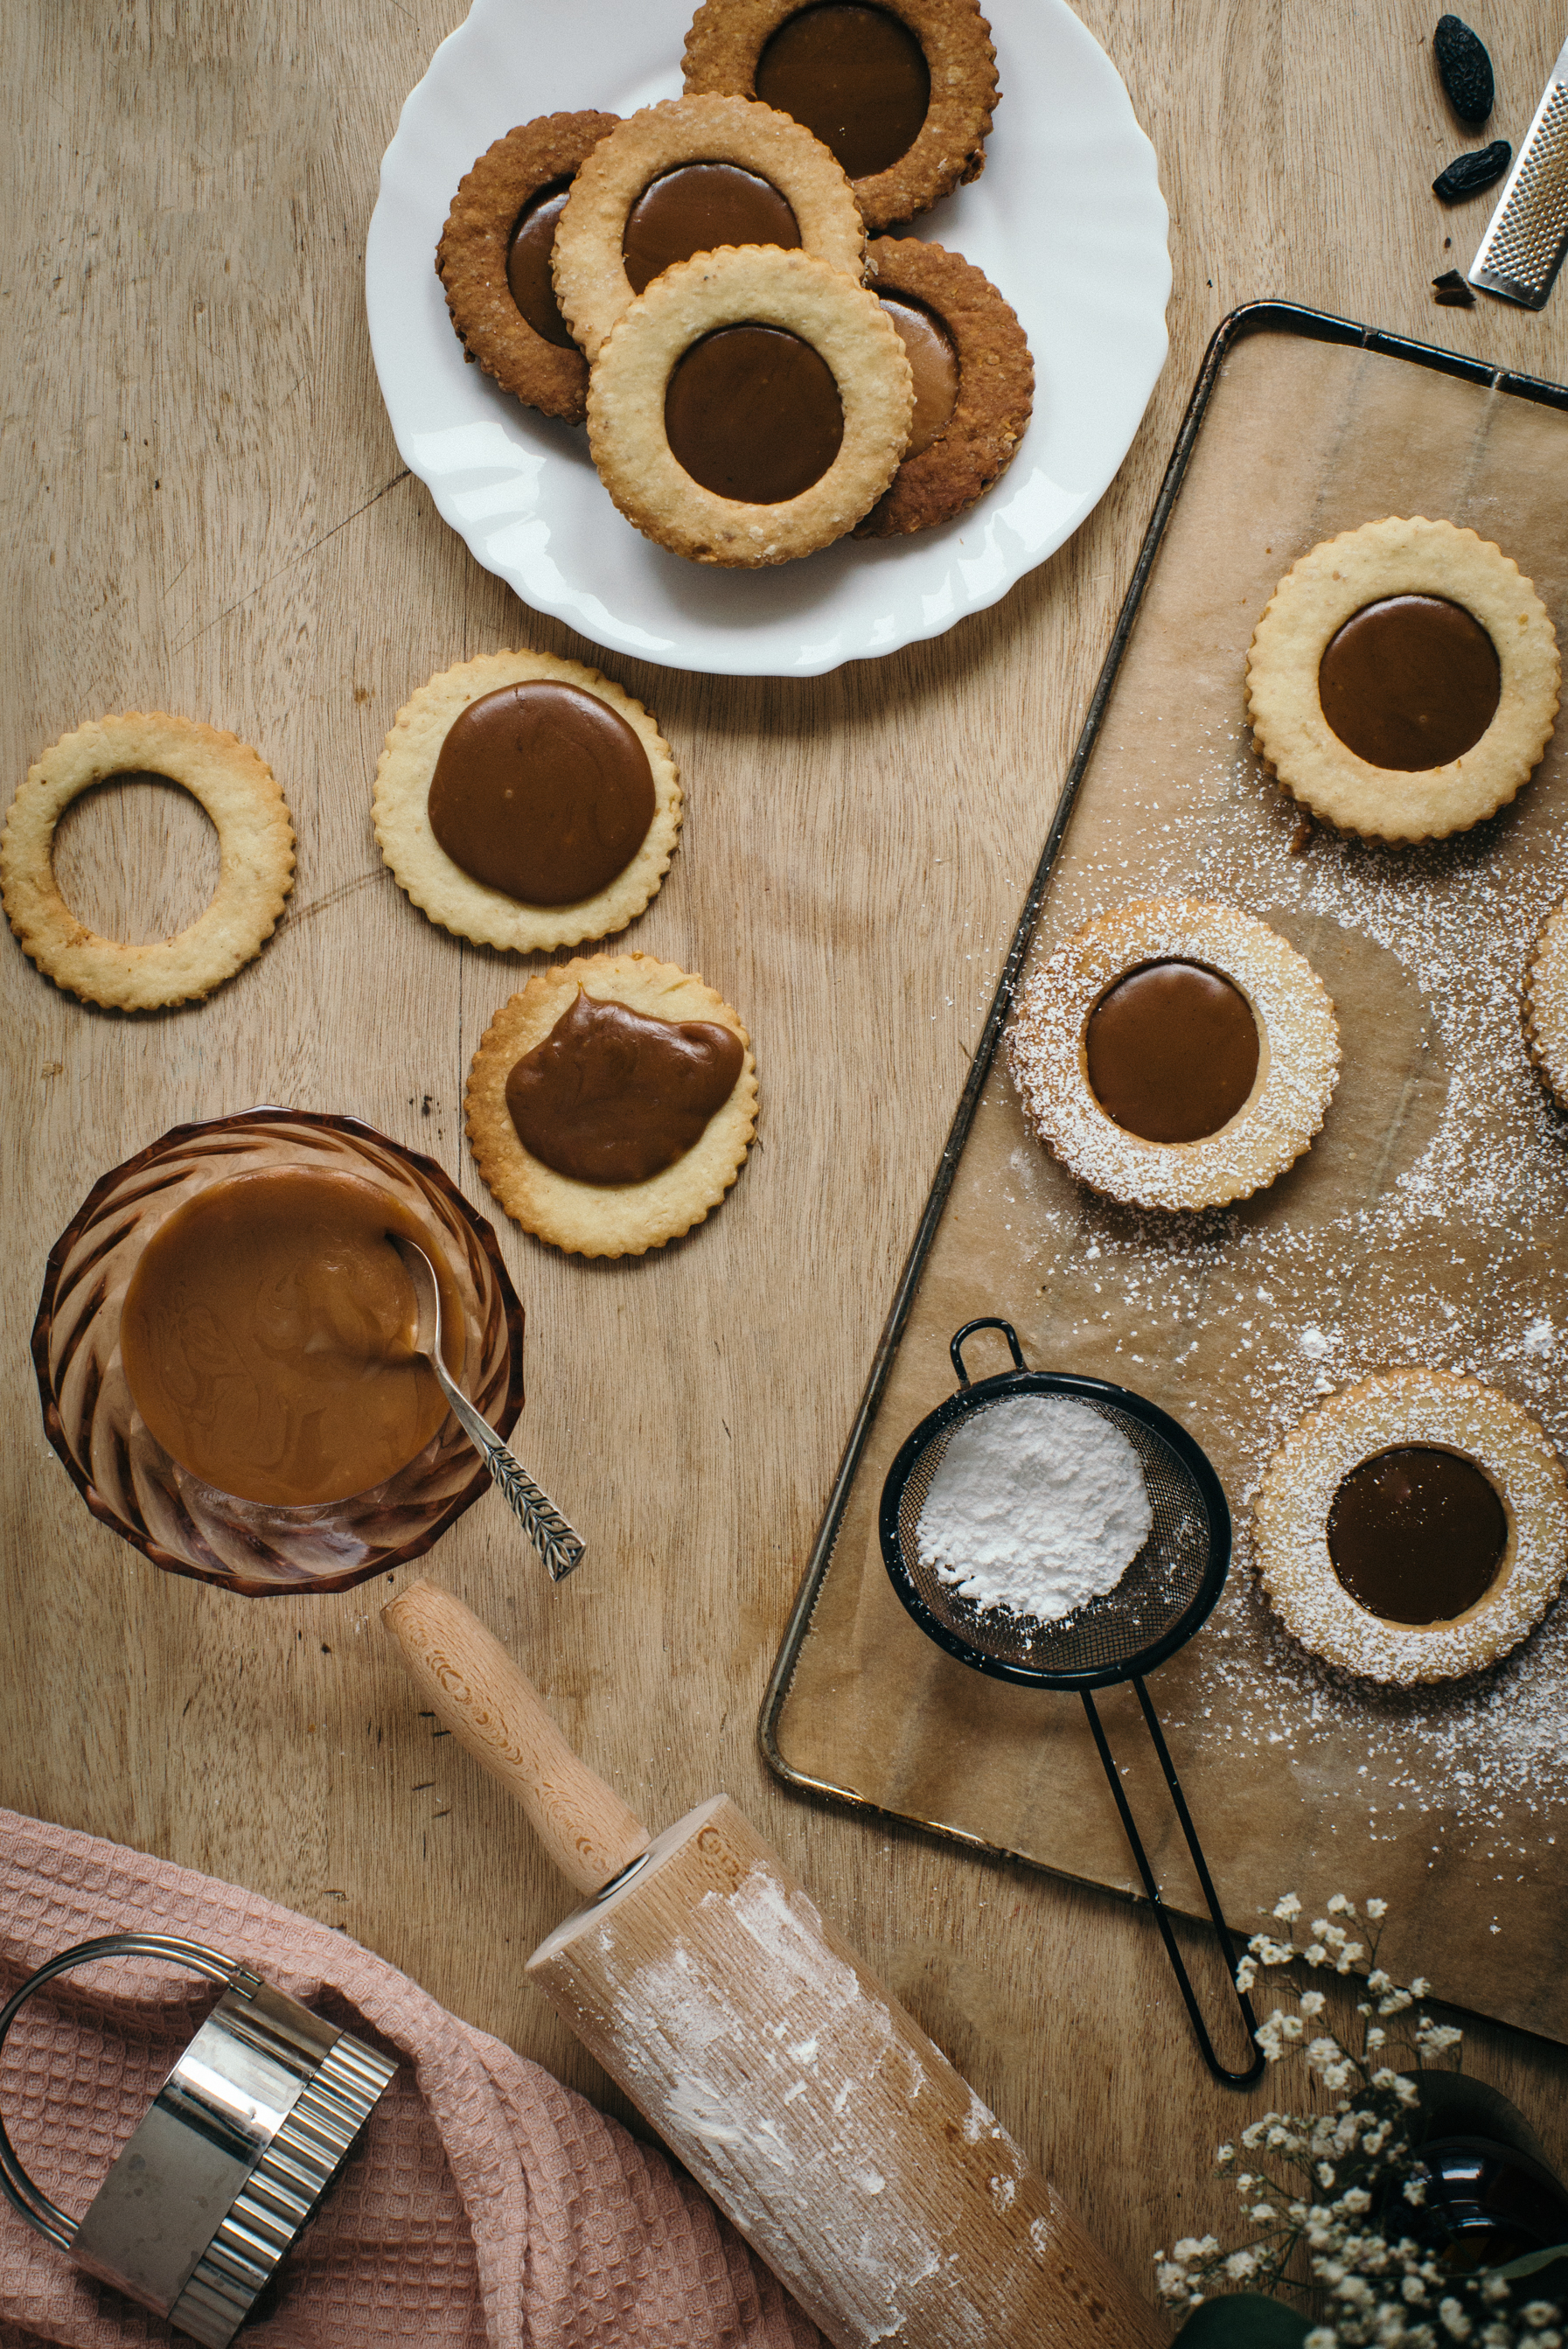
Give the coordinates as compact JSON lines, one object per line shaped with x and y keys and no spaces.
{"x":1402,"y":1412}
{"x":1545,"y":1005}
{"x":255,"y":840}
{"x":594,"y":1218}
{"x":1486,"y":713}
{"x":438,"y":885}
{"x":632,"y":388}
{"x":1286,"y":1063}
{"x":990,"y":388}
{"x":591,"y":277}
{"x":529,"y":164}
{"x":730,"y":41}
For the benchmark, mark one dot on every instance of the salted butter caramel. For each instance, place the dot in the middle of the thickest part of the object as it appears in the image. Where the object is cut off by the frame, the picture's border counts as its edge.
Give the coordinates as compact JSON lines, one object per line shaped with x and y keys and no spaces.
{"x":541,"y":790}
{"x":855,"y":77}
{"x":528,"y":271}
{"x":1417,"y":1534}
{"x":934,"y":363}
{"x":697,"y":208}
{"x":1410,"y":682}
{"x":267,"y":1337}
{"x":753,"y":413}
{"x":1173,"y":1052}
{"x":614,"y":1096}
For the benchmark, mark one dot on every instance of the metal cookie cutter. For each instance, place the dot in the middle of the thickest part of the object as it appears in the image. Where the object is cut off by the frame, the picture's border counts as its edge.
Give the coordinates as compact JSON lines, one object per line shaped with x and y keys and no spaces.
{"x":239,"y":2149}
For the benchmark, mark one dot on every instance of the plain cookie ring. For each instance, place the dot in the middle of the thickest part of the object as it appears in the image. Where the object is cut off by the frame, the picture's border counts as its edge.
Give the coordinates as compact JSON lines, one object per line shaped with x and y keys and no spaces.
{"x":591,"y":280}
{"x":472,"y":257}
{"x":255,"y":842}
{"x":1545,"y":1005}
{"x":1435,"y":1410}
{"x":1343,"y":577}
{"x":755,"y":286}
{"x":724,"y":46}
{"x":1297,"y":1054}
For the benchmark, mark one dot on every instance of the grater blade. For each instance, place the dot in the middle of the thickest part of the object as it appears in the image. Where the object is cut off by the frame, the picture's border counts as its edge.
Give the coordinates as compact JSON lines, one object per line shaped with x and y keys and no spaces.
{"x":1524,"y":246}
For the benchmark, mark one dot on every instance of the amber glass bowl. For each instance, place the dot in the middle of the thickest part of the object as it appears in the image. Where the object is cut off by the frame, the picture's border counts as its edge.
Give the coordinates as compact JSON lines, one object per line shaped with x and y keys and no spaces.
{"x":125,"y":1477}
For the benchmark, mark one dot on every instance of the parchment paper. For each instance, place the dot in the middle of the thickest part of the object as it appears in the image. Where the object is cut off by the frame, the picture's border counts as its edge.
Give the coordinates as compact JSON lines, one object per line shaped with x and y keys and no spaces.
{"x":1426,"y":1224}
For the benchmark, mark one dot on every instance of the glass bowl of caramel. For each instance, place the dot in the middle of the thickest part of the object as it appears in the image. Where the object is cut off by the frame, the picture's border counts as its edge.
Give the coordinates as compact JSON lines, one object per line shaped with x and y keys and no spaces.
{"x":224,"y":1351}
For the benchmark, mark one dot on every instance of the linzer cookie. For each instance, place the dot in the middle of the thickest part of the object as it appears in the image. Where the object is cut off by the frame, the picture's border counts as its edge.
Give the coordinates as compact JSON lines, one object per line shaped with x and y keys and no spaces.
{"x":903,"y":94}
{"x":750,"y":407}
{"x":1175,"y":1054}
{"x":1545,"y":1005}
{"x":974,"y":383}
{"x":1414,"y":1528}
{"x":256,"y":851}
{"x":1403,"y":681}
{"x":612,"y":1103}
{"x":527,"y":802}
{"x":688,"y":177}
{"x":494,"y":261}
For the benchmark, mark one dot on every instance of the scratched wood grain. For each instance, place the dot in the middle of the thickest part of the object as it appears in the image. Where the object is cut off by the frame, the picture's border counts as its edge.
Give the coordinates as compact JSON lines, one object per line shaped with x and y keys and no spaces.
{"x":204,"y":511}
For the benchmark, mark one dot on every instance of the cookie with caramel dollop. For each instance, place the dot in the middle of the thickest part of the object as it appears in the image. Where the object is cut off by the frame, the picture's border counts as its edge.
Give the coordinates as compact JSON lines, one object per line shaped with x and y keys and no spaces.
{"x":612,"y":1102}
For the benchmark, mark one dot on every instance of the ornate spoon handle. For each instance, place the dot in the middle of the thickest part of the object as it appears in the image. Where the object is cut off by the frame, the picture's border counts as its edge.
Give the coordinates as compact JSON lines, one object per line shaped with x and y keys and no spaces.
{"x":560,"y":1547}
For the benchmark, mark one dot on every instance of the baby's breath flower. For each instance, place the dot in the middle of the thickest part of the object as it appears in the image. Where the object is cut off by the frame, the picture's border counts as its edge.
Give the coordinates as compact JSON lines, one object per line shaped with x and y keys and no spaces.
{"x":1242,"y":2265}
{"x":1321,"y":2337}
{"x":1312,"y":2002}
{"x":1355,"y":2201}
{"x":1420,"y":1987}
{"x":1376,"y":1910}
{"x":1325,"y":2173}
{"x":1538,"y":2312}
{"x":1262,"y":2213}
{"x":1415,"y":2190}
{"x":1493,"y":2288}
{"x":1338,"y":1905}
{"x":1287,"y":1906}
{"x":1453,"y":2319}
{"x":1315,"y":1953}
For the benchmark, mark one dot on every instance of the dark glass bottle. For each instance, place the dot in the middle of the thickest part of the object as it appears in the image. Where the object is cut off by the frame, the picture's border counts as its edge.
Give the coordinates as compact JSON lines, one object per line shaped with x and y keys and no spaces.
{"x":1491,"y":2195}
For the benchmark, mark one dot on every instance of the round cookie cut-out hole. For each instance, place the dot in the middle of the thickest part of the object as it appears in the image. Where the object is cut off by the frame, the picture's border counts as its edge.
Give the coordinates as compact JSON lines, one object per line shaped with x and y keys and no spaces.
{"x":753,"y":413}
{"x":934,"y":362}
{"x":541,"y":790}
{"x":1410,"y":682}
{"x":856,"y":77}
{"x":1172,"y":1051}
{"x":1417,"y":1534}
{"x":697,"y":208}
{"x":136,"y":858}
{"x":528,"y":271}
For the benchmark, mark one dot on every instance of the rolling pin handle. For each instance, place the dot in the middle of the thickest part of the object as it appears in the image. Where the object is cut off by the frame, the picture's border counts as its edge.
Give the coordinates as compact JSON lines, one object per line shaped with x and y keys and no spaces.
{"x":492,"y":1707}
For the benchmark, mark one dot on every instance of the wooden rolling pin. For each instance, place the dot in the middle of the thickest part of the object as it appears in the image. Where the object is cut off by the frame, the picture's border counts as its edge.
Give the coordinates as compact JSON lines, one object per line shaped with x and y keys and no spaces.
{"x":815,"y":2112}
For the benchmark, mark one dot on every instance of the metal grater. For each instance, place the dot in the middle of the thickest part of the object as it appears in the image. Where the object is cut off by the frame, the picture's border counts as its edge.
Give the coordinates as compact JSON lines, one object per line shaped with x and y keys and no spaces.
{"x":1522,"y":248}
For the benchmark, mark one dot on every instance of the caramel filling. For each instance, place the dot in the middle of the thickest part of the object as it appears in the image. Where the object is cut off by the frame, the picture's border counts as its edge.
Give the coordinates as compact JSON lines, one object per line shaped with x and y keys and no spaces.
{"x":856,"y":77}
{"x":267,"y":1333}
{"x":541,"y":790}
{"x":1410,"y":682}
{"x":1417,"y":1534}
{"x":1173,"y":1052}
{"x":613,"y":1096}
{"x":933,"y":362}
{"x":753,"y":413}
{"x":697,"y":208}
{"x":528,"y":263}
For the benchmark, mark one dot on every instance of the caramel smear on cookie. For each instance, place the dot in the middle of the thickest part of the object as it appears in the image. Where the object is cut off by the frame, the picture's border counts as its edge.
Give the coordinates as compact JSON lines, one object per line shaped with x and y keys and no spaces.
{"x":614,"y":1096}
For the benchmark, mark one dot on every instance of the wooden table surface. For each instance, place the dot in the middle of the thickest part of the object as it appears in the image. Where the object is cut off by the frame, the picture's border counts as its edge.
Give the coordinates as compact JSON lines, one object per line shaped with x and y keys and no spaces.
{"x":204,"y":511}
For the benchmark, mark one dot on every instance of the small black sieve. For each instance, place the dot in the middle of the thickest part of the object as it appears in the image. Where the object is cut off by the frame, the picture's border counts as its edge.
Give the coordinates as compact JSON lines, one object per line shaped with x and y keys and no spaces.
{"x":1165,"y":1595}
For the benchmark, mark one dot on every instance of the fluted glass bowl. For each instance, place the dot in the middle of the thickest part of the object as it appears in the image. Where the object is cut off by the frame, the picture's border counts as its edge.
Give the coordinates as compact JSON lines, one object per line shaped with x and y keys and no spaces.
{"x":127,"y":1478}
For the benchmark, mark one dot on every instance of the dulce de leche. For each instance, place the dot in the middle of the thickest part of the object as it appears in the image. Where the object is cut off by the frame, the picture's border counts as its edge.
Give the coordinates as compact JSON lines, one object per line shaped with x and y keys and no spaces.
{"x":267,"y":1337}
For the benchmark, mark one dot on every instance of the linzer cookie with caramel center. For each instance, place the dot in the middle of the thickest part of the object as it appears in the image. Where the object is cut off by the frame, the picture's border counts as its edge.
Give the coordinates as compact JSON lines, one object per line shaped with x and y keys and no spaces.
{"x":612,"y":1102}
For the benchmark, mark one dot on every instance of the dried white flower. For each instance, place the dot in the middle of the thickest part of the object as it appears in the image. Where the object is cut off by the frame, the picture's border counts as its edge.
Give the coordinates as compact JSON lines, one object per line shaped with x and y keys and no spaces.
{"x":1287,"y":1906}
{"x":1453,"y":2319}
{"x":1338,"y":1905}
{"x":1376,"y":1910}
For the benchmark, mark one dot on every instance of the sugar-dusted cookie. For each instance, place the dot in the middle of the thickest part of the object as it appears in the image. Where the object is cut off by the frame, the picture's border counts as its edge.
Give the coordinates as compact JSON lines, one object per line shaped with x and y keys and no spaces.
{"x":1175,"y":1054}
{"x":904,"y":93}
{"x":527,"y":802}
{"x":494,"y":261}
{"x":612,"y":1103}
{"x":1403,"y":680}
{"x":974,"y":383}
{"x":255,"y":872}
{"x":1545,"y":1005}
{"x":687,"y":177}
{"x":750,"y":407}
{"x":1413,"y":1527}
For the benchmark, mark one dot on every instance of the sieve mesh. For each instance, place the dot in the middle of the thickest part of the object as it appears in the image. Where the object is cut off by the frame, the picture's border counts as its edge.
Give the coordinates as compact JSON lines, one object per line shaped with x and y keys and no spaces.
{"x":1107,"y":1638}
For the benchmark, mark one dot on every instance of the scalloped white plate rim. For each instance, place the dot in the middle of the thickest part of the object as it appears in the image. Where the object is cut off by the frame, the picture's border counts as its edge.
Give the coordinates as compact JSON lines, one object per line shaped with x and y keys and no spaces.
{"x":1068,"y":219}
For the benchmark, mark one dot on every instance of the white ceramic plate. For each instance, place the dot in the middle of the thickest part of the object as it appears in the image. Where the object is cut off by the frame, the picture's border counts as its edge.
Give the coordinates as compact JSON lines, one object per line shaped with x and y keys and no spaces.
{"x":1068,"y":221}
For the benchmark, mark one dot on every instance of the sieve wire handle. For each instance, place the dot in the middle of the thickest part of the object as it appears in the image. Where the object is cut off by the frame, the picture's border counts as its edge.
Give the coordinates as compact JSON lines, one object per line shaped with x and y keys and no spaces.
{"x":1161,"y":1915}
{"x":986,"y":1321}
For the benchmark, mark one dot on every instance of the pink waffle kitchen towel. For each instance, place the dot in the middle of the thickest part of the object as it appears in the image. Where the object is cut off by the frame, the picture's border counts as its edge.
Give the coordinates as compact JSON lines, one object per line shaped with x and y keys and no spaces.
{"x":486,"y":2205}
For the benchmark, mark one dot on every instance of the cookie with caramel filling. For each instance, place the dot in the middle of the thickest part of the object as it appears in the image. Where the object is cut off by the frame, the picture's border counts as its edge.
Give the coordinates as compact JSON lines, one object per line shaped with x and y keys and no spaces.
{"x":903,"y":92}
{"x":638,"y":1125}
{"x":1403,"y":681}
{"x":494,"y":261}
{"x":974,"y":383}
{"x":687,"y":177}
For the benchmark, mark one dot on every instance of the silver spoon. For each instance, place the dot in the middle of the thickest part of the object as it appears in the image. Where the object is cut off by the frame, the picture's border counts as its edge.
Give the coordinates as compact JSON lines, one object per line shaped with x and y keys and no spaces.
{"x":560,"y":1547}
